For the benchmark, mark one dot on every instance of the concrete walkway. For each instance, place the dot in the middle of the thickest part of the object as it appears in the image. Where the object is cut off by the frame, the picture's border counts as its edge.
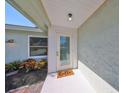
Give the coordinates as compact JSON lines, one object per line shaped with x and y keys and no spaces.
{"x":76,"y":83}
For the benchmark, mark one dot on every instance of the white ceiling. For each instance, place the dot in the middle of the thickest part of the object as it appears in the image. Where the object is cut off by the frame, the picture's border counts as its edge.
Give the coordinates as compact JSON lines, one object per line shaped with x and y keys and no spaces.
{"x":58,"y":10}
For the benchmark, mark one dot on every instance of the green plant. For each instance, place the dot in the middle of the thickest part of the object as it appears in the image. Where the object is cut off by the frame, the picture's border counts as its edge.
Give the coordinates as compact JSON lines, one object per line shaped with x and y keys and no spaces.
{"x":12,"y":66}
{"x":26,"y":65}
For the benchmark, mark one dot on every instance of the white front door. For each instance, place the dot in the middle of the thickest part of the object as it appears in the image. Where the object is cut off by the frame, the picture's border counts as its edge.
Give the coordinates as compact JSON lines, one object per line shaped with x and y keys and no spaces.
{"x":64,"y":51}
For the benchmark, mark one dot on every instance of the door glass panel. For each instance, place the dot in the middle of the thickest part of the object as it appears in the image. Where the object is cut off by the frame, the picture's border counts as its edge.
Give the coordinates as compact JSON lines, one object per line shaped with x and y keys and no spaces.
{"x":64,"y":50}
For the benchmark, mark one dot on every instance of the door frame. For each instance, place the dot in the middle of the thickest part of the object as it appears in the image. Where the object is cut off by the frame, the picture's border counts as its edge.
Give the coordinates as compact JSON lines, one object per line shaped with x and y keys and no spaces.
{"x":59,"y":67}
{"x":52,"y":60}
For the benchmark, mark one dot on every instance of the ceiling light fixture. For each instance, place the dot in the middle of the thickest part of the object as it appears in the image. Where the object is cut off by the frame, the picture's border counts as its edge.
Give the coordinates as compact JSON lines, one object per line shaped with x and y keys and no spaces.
{"x":69,"y":16}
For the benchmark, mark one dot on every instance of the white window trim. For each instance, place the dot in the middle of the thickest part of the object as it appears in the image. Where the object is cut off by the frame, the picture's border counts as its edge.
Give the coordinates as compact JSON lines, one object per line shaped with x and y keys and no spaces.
{"x":44,"y":56}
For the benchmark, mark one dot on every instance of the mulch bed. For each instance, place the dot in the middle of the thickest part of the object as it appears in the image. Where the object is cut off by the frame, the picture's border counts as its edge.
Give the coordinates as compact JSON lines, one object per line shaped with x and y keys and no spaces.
{"x":22,"y":78}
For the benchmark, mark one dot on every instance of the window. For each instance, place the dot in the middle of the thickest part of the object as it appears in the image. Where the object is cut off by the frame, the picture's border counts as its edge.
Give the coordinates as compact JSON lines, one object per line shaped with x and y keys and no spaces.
{"x":38,"y":46}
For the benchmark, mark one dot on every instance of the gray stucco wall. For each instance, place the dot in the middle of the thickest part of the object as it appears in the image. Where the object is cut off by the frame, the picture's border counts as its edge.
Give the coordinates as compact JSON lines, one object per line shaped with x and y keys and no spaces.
{"x":98,"y":42}
{"x":18,"y":50}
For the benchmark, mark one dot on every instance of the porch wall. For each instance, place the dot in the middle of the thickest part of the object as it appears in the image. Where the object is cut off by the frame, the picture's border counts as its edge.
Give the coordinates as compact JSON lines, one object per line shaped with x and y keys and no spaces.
{"x":98,"y":43}
{"x":18,"y":50}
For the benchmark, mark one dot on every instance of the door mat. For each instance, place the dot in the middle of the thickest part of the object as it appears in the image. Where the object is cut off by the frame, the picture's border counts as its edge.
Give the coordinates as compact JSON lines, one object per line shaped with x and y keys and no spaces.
{"x":65,"y":73}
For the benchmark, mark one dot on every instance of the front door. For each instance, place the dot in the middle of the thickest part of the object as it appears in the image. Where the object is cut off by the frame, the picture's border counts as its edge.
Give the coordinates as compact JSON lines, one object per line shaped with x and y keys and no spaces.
{"x":64,"y":51}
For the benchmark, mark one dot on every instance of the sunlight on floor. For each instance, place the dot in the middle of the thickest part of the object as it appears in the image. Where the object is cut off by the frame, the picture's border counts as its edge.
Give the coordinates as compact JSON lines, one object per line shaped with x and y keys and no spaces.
{"x":76,"y":83}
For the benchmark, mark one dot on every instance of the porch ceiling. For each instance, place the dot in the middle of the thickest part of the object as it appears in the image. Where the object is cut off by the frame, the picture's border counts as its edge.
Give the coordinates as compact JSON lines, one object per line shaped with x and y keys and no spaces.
{"x":55,"y":12}
{"x":33,"y":10}
{"x":58,"y":10}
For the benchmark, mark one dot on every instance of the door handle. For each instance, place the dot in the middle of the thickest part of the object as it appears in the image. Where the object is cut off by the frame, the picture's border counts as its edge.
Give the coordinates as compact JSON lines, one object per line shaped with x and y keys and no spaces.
{"x":57,"y":53}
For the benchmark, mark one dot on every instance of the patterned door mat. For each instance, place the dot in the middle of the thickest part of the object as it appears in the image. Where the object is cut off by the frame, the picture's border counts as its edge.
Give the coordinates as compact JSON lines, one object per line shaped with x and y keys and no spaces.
{"x":65,"y":73}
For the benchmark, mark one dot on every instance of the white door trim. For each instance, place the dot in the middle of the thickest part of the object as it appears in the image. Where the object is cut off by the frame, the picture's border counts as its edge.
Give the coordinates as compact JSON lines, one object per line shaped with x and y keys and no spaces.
{"x":52,"y":46}
{"x":59,"y":67}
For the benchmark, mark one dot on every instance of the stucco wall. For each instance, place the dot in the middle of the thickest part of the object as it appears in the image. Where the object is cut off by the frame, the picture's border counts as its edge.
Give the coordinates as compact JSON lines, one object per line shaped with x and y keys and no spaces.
{"x":98,"y":42}
{"x":18,"y":50}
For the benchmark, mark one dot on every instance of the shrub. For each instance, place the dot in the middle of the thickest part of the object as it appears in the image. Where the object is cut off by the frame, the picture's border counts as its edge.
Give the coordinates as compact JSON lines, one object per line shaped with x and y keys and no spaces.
{"x":41,"y":64}
{"x":28,"y":65}
{"x":12,"y":66}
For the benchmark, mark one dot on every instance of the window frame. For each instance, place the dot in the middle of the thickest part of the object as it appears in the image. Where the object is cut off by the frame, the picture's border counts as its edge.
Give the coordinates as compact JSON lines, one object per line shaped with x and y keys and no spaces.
{"x":43,"y":56}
